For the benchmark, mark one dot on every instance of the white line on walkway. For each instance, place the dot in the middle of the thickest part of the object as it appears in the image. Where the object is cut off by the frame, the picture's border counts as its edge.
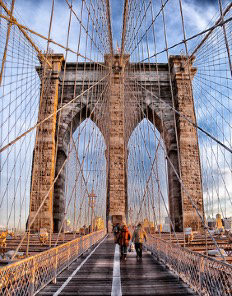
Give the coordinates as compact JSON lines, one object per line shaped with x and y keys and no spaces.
{"x":116,"y":283}
{"x":77,"y":269}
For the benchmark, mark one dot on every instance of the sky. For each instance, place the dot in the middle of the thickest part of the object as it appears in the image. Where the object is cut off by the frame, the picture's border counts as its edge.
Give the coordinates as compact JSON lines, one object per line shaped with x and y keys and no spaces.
{"x":197,"y":15}
{"x":36,"y":15}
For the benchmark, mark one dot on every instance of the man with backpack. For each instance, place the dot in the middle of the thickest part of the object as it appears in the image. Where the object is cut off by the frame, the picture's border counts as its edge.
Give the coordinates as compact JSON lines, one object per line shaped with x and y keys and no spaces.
{"x":138,"y":238}
{"x":124,"y":240}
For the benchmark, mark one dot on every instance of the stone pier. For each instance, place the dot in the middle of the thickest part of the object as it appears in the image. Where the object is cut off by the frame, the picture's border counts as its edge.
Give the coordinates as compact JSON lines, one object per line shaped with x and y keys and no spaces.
{"x":189,"y":157}
{"x":44,"y":159}
{"x":117,"y":199}
{"x":182,"y":150}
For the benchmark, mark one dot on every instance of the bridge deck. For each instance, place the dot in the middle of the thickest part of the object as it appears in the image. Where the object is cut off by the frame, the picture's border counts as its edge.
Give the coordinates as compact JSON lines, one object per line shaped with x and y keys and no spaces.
{"x":143,"y":277}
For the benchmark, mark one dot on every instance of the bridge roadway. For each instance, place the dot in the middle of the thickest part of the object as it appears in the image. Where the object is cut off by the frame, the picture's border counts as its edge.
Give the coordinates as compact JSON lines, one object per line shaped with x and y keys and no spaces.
{"x":100,"y":272}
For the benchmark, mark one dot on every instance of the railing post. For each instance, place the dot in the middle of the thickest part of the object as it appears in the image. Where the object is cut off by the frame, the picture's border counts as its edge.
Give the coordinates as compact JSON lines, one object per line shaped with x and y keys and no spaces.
{"x":77,"y":248}
{"x":201,"y":274}
{"x":155,"y":247}
{"x":178,"y":262}
{"x":69,"y":252}
{"x":32,"y":279}
{"x":81,"y":245}
{"x":55,"y":266}
{"x":152,"y":245}
{"x":166,"y":254}
{"x":91,"y":240}
{"x":158,"y":250}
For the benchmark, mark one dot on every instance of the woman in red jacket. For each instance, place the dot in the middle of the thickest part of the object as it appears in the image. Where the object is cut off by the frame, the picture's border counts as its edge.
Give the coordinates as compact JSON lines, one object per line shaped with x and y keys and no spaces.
{"x":124,"y":240}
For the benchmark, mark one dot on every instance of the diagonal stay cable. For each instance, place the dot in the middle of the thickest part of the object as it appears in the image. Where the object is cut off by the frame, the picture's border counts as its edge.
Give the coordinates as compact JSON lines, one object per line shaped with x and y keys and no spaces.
{"x":190,"y":199}
{"x":51,"y":187}
{"x":188,"y":39}
{"x":51,"y":40}
{"x":51,"y":115}
{"x":187,"y":119}
{"x":150,"y":176}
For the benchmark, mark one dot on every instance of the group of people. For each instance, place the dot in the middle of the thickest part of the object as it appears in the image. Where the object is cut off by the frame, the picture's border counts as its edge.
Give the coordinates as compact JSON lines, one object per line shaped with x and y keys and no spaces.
{"x":123,"y":237}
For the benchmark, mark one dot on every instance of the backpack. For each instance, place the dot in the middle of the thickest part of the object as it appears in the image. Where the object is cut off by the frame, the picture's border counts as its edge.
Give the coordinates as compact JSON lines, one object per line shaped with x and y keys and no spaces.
{"x":139,"y":235}
{"x":116,"y":229}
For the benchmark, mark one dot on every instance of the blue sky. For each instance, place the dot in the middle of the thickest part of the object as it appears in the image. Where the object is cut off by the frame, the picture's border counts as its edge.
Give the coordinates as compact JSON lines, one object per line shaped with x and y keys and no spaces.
{"x":36,"y":15}
{"x":197,"y":13}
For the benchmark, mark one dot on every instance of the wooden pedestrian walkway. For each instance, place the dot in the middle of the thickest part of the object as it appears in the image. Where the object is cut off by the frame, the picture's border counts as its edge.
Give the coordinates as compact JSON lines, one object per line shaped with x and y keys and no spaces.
{"x":92,"y":274}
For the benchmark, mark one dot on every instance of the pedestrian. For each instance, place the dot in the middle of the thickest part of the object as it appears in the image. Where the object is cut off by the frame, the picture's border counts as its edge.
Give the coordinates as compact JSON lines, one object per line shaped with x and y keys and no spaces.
{"x":138,"y":238}
{"x":116,"y":230}
{"x":124,"y":240}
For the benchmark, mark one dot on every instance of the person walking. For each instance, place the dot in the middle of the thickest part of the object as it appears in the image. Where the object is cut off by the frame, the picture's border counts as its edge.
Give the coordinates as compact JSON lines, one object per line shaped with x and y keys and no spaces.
{"x":123,"y":240}
{"x":138,"y":238}
{"x":116,"y":230}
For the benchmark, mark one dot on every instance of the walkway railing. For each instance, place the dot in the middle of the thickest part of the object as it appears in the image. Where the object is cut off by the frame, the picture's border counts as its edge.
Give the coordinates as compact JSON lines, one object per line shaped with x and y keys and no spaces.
{"x":205,"y":275}
{"x":30,"y":275}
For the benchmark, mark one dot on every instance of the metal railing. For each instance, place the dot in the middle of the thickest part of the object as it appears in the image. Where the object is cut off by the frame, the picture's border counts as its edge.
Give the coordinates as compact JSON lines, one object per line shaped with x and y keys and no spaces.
{"x":30,"y":275}
{"x":205,"y":275}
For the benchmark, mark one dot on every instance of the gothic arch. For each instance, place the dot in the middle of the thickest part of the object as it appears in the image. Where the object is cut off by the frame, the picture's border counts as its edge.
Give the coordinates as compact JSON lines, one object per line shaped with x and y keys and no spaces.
{"x":163,"y":119}
{"x":156,"y":110}
{"x":70,"y":119}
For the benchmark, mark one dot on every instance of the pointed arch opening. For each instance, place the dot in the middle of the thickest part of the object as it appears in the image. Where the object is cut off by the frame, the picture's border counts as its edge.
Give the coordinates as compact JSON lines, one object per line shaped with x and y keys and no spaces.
{"x":147,"y":183}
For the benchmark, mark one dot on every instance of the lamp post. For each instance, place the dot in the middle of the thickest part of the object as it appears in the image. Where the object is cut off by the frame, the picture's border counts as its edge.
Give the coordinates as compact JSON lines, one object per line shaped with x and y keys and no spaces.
{"x":92,"y":202}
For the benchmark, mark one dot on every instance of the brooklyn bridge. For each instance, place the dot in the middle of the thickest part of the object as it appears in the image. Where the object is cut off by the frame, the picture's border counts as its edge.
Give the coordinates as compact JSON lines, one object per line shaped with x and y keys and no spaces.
{"x":115,"y":115}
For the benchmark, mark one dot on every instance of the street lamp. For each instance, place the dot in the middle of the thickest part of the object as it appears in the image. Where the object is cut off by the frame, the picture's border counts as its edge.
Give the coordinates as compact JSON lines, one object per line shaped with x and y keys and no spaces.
{"x":92,"y":202}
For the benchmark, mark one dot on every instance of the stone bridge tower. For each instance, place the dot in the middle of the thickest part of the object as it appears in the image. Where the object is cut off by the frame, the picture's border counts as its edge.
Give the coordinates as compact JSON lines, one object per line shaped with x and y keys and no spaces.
{"x":182,"y":151}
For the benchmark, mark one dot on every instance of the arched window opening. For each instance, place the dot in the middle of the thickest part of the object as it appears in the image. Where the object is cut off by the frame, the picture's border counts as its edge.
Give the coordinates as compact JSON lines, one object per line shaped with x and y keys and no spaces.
{"x":147,"y":177}
{"x":85,"y":186}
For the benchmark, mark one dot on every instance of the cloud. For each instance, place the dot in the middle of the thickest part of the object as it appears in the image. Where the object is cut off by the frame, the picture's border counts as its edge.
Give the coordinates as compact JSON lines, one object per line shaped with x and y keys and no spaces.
{"x":197,"y":16}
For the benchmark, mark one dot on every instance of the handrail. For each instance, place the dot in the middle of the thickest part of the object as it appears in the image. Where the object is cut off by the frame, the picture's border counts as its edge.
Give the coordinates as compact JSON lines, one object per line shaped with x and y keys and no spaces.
{"x":30,"y":275}
{"x":206,"y":276}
